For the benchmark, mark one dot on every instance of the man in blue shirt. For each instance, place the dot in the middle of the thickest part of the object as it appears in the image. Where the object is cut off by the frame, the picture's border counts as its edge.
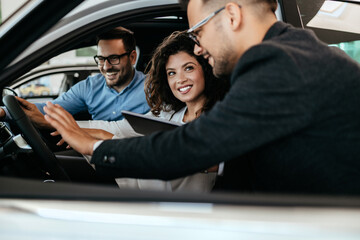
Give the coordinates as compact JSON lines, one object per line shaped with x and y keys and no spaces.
{"x":118,"y":87}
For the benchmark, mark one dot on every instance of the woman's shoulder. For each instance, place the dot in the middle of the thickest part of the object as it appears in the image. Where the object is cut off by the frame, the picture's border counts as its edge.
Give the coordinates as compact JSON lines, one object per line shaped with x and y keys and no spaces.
{"x":171,"y":115}
{"x":166,"y":114}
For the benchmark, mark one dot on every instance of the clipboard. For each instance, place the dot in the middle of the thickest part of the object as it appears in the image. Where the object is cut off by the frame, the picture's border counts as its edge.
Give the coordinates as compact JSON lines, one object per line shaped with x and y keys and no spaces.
{"x":146,"y":125}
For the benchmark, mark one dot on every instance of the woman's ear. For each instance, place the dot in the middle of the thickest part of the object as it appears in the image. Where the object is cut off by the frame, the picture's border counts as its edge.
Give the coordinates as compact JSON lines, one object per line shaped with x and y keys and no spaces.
{"x":234,"y":15}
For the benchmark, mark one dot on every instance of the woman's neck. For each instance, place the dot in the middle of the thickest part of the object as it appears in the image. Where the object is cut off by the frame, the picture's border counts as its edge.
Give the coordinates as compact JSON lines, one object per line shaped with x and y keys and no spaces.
{"x":194,"y":109}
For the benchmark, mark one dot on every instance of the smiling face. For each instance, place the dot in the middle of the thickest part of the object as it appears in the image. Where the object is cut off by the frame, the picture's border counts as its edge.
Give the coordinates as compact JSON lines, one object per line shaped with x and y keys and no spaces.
{"x":185,"y":78}
{"x":120,"y":75}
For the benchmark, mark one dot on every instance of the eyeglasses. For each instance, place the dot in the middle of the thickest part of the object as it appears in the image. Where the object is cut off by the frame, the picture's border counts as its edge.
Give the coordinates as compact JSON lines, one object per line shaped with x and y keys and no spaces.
{"x":191,"y":31}
{"x":112,"y":59}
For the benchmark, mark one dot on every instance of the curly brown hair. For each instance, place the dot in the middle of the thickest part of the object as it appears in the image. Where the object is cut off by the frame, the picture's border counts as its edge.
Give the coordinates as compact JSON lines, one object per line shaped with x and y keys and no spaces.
{"x":158,"y":93}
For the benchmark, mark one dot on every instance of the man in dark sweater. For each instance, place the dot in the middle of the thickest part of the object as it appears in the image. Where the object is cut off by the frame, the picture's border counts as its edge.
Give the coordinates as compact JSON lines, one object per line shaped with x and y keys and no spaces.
{"x":289,"y":123}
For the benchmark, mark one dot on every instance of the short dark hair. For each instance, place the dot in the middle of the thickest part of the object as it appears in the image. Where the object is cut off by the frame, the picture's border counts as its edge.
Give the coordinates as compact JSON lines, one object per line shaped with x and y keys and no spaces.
{"x":271,"y":3}
{"x":119,"y":33}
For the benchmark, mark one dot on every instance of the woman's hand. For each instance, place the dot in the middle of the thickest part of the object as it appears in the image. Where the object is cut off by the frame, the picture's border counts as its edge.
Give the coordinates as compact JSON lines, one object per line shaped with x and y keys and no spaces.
{"x":69,"y":130}
{"x":99,"y":133}
{"x":61,"y":142}
{"x":95,"y":133}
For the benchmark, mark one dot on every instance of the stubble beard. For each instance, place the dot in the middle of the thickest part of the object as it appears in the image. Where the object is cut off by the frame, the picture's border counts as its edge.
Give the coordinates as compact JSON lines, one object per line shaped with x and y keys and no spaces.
{"x":225,"y":59}
{"x":124,"y":79}
{"x":223,"y":65}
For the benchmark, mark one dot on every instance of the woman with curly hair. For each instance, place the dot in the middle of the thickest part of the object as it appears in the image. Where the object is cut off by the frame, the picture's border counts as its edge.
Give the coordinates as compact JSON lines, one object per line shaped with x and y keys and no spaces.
{"x":168,"y":91}
{"x":180,"y":87}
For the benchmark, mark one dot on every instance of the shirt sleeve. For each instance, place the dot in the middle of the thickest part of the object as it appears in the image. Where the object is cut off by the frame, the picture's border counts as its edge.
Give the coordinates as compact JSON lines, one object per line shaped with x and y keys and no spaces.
{"x":73,"y":100}
{"x":221,"y":169}
{"x":97,"y":144}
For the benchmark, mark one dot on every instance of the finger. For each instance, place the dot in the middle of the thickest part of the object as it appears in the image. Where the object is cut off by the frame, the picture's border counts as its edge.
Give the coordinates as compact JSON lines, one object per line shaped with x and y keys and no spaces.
{"x":51,"y":111}
{"x":55,"y":123}
{"x":68,"y":147}
{"x":52,"y":116}
{"x":2,"y":113}
{"x":23,"y":102}
{"x":56,"y":133}
{"x":20,"y":99}
{"x":60,"y":119}
{"x":56,"y":111}
{"x":61,"y":142}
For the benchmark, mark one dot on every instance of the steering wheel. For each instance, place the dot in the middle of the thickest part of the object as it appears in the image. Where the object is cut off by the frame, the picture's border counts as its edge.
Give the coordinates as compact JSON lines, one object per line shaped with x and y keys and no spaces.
{"x":33,"y":138}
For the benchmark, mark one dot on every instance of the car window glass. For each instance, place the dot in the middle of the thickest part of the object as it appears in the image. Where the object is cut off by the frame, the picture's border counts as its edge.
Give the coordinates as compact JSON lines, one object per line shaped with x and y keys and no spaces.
{"x":81,"y":64}
{"x":77,"y":56}
{"x":334,"y":22}
{"x":43,"y":86}
{"x":351,"y":48}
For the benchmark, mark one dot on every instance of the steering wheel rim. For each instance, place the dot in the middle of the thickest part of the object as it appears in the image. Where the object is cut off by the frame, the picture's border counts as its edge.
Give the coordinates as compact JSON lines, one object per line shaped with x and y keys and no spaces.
{"x":33,"y":138}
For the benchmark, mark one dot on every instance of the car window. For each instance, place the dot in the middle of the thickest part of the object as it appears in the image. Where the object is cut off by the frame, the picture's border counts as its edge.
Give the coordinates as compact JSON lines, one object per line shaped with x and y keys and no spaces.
{"x":351,"y":48}
{"x":77,"y":56}
{"x":49,"y":82}
{"x":43,"y":86}
{"x":58,"y":74}
{"x":335,"y":22}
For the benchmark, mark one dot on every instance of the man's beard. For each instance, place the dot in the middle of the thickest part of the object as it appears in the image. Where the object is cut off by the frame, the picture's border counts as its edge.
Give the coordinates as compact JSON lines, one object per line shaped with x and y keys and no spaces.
{"x":225,"y":60}
{"x":222,"y":66}
{"x":123,"y":79}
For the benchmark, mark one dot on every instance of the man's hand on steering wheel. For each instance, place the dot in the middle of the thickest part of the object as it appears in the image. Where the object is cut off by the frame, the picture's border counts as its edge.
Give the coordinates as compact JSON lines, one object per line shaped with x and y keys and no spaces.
{"x":36,"y":117}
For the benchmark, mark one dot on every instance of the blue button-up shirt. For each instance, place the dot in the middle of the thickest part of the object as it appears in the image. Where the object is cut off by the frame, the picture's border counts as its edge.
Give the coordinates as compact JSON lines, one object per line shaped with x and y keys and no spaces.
{"x":102,"y":102}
